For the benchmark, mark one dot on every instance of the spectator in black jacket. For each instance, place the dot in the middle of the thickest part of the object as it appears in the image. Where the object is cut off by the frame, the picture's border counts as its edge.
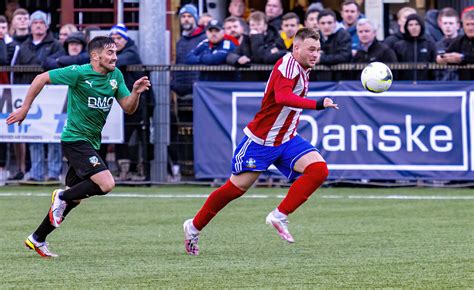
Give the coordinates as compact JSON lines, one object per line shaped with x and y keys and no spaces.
{"x":370,"y":49}
{"x":191,"y":36}
{"x":75,"y":52}
{"x":20,"y":22}
{"x":133,"y":159}
{"x":461,"y":50}
{"x":335,"y":45}
{"x":233,"y":26}
{"x":274,"y":12}
{"x":415,"y":48}
{"x":266,"y":45}
{"x":36,"y":48}
{"x":449,"y":23}
{"x":401,"y":19}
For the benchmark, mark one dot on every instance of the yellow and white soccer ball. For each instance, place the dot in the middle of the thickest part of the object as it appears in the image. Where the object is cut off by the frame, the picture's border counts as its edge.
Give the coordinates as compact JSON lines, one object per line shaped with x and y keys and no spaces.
{"x":376,"y":77}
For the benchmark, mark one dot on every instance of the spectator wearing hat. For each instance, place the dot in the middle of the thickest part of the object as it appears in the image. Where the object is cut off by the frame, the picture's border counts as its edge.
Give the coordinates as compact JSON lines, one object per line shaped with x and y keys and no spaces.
{"x":34,"y":51}
{"x":212,"y":51}
{"x":131,"y":158}
{"x":191,"y":36}
{"x":75,"y":52}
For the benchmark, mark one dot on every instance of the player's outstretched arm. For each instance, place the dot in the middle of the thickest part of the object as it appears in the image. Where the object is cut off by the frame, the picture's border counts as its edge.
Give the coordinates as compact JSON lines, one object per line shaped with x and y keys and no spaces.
{"x":130,"y":104}
{"x":35,"y":88}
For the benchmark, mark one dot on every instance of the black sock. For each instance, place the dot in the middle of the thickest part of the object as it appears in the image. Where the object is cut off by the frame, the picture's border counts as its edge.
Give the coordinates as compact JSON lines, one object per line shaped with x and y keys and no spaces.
{"x":45,"y":228}
{"x":82,"y":190}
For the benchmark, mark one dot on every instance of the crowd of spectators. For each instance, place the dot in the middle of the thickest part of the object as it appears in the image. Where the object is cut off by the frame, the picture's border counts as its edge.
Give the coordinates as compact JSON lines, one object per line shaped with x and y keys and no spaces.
{"x":261,"y":37}
{"x":29,"y":41}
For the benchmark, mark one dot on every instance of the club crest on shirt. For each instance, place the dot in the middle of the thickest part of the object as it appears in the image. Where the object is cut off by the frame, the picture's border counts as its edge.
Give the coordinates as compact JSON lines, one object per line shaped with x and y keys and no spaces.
{"x":94,"y":161}
{"x":113,"y":84}
{"x":250,"y":163}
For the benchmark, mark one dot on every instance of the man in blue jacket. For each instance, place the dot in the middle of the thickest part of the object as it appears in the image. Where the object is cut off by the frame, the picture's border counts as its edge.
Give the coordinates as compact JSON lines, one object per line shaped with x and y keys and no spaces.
{"x":212,"y":51}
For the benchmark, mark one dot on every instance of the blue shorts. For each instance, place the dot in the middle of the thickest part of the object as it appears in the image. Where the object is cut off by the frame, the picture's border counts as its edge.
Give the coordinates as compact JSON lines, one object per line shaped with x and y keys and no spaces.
{"x":250,"y":156}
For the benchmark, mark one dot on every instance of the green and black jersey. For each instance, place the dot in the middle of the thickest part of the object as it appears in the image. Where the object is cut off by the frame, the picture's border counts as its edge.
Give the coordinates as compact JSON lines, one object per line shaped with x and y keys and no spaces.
{"x":90,"y":98}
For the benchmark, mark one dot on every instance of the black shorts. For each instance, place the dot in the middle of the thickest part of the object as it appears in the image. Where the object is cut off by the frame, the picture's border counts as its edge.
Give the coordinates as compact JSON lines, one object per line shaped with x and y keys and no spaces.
{"x":83,"y":160}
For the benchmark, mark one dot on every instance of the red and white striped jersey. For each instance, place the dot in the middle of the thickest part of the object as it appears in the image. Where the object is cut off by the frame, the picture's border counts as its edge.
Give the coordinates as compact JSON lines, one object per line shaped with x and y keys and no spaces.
{"x":283,"y":101}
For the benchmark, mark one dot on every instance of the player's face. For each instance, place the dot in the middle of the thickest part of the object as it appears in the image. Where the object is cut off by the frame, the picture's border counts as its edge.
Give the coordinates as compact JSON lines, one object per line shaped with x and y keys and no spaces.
{"x":307,"y":52}
{"x":327,"y":24}
{"x":312,"y":21}
{"x":290,"y":27}
{"x":259,"y":26}
{"x":233,"y":28}
{"x":3,"y":29}
{"x":215,"y":35}
{"x":187,"y":21}
{"x":108,"y":58}
{"x":119,"y":41}
{"x":74,"y":48}
{"x":449,"y":26}
{"x":366,"y":33}
{"x":468,"y":26}
{"x":349,"y":14}
{"x":414,"y":28}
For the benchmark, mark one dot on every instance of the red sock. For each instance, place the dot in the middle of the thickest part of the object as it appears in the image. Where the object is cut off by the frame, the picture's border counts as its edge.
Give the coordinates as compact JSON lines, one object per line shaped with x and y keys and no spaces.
{"x":218,"y":199}
{"x":313,"y":176}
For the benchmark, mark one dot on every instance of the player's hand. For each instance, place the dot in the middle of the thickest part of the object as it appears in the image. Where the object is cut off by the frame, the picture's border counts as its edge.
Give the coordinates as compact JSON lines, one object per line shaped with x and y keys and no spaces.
{"x":453,"y":57}
{"x":141,"y":85}
{"x":329,"y":103}
{"x":17,"y":116}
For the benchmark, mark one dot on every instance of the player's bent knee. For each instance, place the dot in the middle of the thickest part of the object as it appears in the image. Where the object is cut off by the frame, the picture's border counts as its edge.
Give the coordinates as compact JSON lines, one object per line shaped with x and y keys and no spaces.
{"x":107,"y":186}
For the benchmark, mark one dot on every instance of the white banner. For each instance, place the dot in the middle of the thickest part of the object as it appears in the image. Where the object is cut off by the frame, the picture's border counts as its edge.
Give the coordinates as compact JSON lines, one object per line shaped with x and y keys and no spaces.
{"x":47,"y":116}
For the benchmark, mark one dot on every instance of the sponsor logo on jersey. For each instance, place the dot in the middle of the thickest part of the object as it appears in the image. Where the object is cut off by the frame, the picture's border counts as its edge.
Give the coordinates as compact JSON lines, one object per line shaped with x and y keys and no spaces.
{"x":113,"y":84}
{"x":94,"y":161}
{"x":250,"y":163}
{"x":101,"y":103}
{"x":89,"y":83}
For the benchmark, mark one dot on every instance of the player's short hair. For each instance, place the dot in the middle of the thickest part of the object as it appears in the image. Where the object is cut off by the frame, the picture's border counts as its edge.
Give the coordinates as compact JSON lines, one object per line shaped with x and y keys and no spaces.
{"x":349,"y":2}
{"x":304,"y":33}
{"x":258,"y":16}
{"x":99,"y":43}
{"x":3,"y":19}
{"x":290,"y":15}
{"x":327,"y":12}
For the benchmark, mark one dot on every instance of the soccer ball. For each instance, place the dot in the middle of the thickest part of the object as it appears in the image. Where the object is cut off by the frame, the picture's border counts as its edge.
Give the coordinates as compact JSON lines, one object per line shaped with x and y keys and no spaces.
{"x":376,"y":77}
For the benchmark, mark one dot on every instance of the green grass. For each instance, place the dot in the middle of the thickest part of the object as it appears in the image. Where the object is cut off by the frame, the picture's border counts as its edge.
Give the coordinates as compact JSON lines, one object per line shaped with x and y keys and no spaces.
{"x":340,"y":242}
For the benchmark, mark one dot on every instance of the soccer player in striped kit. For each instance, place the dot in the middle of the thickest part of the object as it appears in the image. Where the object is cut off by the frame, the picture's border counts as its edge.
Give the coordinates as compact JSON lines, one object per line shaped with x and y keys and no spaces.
{"x":271,"y":138}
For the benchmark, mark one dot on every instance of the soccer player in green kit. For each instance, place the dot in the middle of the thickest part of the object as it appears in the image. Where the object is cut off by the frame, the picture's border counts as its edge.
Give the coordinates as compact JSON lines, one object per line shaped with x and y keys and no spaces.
{"x":92,"y":89}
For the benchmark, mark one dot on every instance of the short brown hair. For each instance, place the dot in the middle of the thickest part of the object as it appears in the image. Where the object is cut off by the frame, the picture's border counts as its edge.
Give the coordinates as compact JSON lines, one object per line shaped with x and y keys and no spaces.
{"x":290,"y":15}
{"x":20,"y":11}
{"x":349,"y":2}
{"x":3,"y":19}
{"x":306,"y":32}
{"x":258,"y":16}
{"x":448,"y":12}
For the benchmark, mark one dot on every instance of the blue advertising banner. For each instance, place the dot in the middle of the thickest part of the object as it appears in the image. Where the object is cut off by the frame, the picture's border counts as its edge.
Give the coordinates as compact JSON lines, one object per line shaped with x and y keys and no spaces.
{"x":421,"y":131}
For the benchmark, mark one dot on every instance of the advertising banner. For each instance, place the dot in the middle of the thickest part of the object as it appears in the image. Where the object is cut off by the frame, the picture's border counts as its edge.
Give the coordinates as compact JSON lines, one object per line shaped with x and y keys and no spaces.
{"x":421,"y":131}
{"x":47,"y":116}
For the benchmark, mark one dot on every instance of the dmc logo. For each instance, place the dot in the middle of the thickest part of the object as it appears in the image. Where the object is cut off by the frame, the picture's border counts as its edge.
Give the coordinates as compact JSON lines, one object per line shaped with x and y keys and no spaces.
{"x":104,"y":103}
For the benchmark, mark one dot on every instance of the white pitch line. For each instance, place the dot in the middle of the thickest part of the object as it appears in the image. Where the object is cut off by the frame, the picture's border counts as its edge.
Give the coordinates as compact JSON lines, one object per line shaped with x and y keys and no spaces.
{"x":260,"y":196}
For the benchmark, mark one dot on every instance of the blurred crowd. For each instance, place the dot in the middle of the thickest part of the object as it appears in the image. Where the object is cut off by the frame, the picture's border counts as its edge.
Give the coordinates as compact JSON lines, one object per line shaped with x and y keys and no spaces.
{"x":25,"y":39}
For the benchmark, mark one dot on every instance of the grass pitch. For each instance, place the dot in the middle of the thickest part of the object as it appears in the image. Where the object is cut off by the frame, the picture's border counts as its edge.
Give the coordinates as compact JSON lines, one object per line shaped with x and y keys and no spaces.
{"x":356,"y":238}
